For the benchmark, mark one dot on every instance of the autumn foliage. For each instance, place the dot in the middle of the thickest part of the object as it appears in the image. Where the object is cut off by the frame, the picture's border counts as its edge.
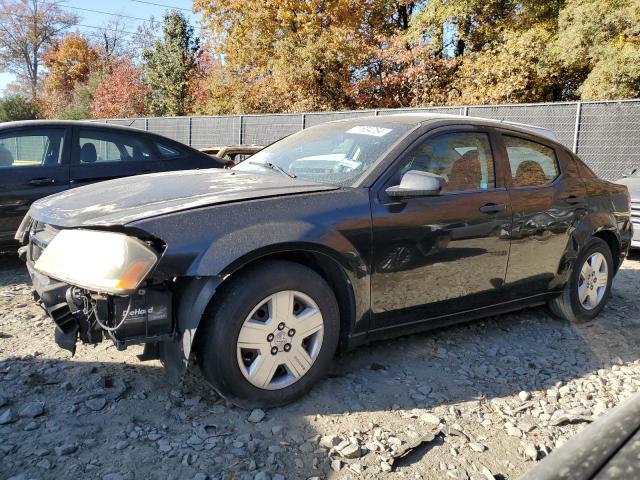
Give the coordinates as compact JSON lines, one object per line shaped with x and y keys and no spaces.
{"x":122,"y":93}
{"x":309,"y":55}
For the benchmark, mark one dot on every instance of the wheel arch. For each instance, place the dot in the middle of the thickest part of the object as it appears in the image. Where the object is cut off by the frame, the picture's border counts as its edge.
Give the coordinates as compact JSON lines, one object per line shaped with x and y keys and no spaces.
{"x":611,"y":238}
{"x":196,"y":294}
{"x":597,"y":224}
{"x":327,"y":263}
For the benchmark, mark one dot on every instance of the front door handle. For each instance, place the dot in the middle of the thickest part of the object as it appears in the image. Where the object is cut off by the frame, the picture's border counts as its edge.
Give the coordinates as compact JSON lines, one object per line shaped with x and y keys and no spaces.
{"x":37,"y":182}
{"x":492,"y":207}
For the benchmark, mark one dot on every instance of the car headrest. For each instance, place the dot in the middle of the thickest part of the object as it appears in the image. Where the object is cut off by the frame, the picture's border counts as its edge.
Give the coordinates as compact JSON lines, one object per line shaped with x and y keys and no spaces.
{"x":6,"y":158}
{"x":529,"y":173}
{"x":466,"y":173}
{"x":88,"y":153}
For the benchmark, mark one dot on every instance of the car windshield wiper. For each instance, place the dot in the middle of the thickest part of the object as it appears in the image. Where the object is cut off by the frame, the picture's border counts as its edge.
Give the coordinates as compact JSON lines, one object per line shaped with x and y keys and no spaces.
{"x":272,"y":166}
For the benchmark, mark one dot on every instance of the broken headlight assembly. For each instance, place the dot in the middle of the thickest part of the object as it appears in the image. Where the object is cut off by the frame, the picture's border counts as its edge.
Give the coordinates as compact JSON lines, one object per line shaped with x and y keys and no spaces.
{"x":105,"y":262}
{"x":109,"y":289}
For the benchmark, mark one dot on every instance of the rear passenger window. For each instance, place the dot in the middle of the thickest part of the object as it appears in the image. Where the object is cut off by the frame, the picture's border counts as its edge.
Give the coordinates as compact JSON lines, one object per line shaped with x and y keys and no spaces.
{"x":111,"y":146}
{"x":532,"y":164}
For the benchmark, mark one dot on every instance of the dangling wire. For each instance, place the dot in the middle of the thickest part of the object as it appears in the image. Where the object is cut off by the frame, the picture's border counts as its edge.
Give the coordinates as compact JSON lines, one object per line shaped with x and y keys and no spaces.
{"x":94,"y":312}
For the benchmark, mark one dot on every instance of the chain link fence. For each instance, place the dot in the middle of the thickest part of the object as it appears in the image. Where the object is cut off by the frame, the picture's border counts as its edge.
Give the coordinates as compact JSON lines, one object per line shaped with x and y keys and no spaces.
{"x":606,"y":135}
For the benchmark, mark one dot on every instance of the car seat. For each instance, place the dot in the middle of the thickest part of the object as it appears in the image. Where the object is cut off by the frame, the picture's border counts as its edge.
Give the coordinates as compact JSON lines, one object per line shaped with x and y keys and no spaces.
{"x":88,"y":153}
{"x":529,"y":173}
{"x":6,"y":158}
{"x":466,"y":173}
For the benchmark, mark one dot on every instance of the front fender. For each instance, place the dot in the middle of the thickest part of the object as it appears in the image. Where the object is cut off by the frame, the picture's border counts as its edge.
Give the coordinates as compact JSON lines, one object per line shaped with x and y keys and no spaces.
{"x":193,"y":296}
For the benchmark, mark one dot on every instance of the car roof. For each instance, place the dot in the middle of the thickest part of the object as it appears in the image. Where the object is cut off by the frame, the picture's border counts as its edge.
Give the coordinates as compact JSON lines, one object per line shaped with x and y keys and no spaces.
{"x":416,"y":119}
{"x":65,"y":123}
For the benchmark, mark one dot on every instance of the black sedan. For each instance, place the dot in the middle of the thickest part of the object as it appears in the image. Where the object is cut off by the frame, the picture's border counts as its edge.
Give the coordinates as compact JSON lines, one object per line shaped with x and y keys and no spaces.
{"x":340,"y":234}
{"x":39,"y":158}
{"x":609,"y":449}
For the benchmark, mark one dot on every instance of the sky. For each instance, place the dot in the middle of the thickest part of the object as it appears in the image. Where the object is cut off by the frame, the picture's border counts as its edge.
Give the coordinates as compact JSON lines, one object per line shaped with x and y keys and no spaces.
{"x":112,"y":9}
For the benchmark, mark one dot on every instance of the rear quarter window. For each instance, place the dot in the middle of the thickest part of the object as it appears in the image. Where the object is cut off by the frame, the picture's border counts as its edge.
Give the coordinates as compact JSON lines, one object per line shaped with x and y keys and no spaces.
{"x":167,"y":152}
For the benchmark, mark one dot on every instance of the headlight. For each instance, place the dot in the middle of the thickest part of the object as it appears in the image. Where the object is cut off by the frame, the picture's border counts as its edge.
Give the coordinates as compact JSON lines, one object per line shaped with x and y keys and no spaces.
{"x":101,"y":261}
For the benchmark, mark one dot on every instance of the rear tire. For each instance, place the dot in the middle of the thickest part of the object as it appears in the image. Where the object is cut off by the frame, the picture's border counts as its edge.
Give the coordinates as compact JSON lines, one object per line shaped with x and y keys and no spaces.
{"x":588,"y":288}
{"x":269,"y":335}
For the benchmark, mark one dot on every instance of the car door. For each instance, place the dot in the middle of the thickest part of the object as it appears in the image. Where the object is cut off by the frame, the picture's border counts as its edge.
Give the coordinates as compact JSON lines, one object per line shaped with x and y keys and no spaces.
{"x":436,"y":255}
{"x":547,"y":198}
{"x":33,"y":164}
{"x":103,"y":153}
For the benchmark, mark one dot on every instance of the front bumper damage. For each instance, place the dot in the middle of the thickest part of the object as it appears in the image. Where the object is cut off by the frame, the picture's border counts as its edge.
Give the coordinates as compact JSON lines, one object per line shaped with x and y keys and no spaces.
{"x":164,"y":314}
{"x":144,"y":317}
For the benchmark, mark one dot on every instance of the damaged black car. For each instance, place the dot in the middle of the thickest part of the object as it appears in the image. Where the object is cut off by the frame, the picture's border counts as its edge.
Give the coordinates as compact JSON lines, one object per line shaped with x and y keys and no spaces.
{"x":344,"y":233}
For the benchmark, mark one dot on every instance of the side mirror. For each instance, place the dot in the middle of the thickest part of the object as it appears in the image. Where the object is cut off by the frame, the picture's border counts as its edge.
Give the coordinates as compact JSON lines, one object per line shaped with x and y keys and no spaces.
{"x":415,"y":183}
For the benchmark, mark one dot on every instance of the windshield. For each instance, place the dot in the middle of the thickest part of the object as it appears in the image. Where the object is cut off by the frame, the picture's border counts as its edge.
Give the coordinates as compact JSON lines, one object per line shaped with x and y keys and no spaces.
{"x":335,"y":153}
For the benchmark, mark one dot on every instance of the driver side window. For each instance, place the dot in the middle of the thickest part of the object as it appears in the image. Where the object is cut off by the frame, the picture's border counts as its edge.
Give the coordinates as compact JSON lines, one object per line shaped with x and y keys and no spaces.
{"x":463,"y":159}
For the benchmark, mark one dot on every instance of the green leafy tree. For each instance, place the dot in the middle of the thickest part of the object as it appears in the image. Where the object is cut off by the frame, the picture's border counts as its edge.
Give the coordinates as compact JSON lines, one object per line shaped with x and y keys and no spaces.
{"x":17,"y":107}
{"x":170,"y":65}
{"x":601,"y":38}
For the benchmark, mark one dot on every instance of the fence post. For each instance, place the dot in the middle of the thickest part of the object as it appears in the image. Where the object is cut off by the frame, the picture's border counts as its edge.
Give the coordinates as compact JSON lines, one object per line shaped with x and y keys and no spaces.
{"x":303,"y":120}
{"x":146,"y":124}
{"x":240,"y":134}
{"x":190,"y":132}
{"x":576,"y":131}
{"x":465,"y":111}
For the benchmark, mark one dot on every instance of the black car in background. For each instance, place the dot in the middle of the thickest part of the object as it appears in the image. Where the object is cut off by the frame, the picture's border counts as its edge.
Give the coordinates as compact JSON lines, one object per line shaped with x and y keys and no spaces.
{"x":337,"y":235}
{"x":39,"y":158}
{"x":608,"y":449}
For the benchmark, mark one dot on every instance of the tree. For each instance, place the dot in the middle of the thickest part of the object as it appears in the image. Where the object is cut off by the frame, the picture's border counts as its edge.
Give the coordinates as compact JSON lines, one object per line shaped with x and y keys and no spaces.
{"x":69,"y":62}
{"x":17,"y":107}
{"x":111,"y":40}
{"x":516,"y":69}
{"x":601,"y":38}
{"x":295,"y":55}
{"x":121,"y":94}
{"x":170,"y":65}
{"x":27,"y":29}
{"x":68,"y":91}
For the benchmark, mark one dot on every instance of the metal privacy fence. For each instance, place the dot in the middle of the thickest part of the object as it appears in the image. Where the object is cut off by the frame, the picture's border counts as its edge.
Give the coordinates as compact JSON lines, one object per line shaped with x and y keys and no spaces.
{"x":606,"y":135}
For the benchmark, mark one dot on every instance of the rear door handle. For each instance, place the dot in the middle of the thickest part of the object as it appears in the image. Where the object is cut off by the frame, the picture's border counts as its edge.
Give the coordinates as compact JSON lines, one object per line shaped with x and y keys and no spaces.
{"x":492,"y":207}
{"x":573,"y":200}
{"x":37,"y":182}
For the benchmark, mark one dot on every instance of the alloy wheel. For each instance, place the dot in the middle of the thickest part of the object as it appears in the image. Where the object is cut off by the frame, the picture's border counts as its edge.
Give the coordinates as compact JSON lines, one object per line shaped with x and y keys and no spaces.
{"x":592,"y":284}
{"x":280,"y":340}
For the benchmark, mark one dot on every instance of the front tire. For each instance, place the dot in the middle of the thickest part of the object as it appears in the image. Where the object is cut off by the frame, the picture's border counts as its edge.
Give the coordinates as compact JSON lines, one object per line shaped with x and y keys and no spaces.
{"x":269,"y":335}
{"x":588,"y":288}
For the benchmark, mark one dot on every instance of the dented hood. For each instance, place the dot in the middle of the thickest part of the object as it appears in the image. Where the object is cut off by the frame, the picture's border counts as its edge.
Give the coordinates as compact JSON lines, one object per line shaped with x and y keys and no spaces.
{"x":118,"y":202}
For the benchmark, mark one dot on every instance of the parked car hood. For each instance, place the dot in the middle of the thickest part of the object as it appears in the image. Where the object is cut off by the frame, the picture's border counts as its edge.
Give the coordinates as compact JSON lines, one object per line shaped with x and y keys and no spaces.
{"x":118,"y":202}
{"x":633,"y":184}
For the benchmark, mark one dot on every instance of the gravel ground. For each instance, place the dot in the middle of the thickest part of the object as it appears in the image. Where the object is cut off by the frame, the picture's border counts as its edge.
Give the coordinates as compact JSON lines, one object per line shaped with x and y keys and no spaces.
{"x":482,"y":400}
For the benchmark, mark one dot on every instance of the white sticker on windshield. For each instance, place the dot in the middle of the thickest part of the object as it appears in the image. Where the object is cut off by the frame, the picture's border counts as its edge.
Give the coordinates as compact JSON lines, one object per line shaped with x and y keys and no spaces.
{"x":373,"y":131}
